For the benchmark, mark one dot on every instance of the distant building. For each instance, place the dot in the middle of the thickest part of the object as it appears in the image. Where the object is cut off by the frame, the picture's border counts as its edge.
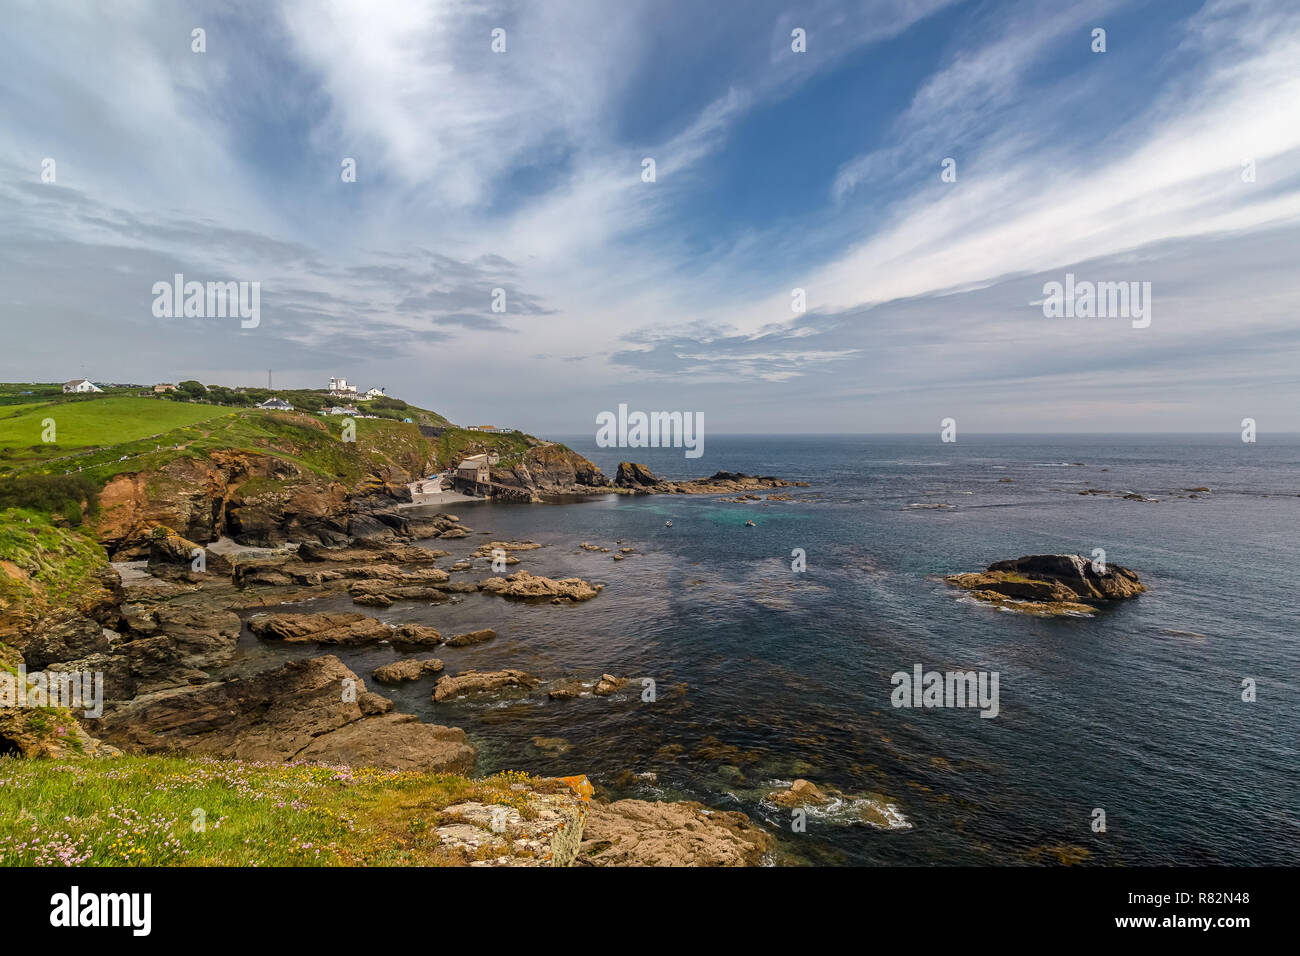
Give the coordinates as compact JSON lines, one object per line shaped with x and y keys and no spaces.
{"x":342,"y":410}
{"x":484,"y":428}
{"x":340,"y":388}
{"x":374,"y":393}
{"x":81,"y":385}
{"x":163,"y":387}
{"x":473,"y":469}
{"x":276,"y":405}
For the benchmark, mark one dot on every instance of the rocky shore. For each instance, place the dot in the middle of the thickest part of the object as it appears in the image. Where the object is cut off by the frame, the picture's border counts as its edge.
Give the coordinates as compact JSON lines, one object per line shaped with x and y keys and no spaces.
{"x":164,"y":631}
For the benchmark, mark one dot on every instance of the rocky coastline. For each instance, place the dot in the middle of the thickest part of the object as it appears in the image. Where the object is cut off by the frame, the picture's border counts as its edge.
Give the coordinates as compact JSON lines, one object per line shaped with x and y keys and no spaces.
{"x":163,"y":627}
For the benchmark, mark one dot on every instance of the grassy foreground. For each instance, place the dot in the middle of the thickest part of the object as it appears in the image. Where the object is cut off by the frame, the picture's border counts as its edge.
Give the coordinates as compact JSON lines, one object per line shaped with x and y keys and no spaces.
{"x":182,"y":811}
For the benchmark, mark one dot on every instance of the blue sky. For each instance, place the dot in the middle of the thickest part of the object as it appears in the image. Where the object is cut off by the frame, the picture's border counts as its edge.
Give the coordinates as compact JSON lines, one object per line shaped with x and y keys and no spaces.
{"x":776,"y":171}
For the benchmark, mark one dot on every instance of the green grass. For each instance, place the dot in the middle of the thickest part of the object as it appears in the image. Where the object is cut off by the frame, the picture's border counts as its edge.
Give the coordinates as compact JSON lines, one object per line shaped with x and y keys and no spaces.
{"x":312,"y":442}
{"x":55,"y":565}
{"x":141,"y":811}
{"x":455,"y":443}
{"x":96,"y":422}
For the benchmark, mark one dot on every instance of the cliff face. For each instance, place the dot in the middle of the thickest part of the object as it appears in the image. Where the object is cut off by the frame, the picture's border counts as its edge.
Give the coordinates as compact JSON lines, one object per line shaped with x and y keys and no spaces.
{"x":255,"y":498}
{"x":550,"y":469}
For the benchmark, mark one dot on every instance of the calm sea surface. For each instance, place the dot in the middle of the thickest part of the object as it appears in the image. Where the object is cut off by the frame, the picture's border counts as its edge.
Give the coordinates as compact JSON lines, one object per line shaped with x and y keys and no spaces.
{"x":763,"y":674}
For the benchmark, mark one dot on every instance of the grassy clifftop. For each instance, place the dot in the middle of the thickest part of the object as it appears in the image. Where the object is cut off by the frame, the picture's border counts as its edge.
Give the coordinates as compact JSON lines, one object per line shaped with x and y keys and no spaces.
{"x":169,"y":811}
{"x":108,"y":436}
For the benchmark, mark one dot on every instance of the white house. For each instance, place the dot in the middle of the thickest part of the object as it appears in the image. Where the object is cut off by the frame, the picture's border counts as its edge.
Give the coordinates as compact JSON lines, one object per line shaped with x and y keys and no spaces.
{"x":81,"y":385}
{"x":374,"y":393}
{"x":342,"y":410}
{"x":276,"y":405}
{"x":341,"y":388}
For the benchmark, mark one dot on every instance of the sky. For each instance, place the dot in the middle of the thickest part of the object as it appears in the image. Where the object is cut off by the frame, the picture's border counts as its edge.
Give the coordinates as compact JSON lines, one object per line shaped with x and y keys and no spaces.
{"x":918,"y":171}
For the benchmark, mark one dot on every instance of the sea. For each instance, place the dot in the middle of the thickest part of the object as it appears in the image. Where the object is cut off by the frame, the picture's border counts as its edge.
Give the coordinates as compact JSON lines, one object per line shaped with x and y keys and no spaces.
{"x":1162,"y":730}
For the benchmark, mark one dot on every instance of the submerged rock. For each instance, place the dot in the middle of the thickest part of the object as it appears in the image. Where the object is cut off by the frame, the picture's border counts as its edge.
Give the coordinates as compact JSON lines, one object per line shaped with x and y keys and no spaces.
{"x":471,"y":637}
{"x":873,"y":809}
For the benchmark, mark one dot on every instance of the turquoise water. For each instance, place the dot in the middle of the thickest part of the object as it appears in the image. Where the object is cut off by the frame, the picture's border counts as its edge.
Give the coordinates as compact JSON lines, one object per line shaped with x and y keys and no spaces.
{"x":763,"y":674}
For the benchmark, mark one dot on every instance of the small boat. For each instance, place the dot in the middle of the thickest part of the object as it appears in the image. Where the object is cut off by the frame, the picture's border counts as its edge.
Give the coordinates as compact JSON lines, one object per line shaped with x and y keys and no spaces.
{"x":750,"y":524}
{"x":668,"y":523}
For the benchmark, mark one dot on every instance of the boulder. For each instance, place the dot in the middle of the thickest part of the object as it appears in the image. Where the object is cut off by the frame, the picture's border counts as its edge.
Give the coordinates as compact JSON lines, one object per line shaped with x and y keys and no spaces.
{"x":802,"y":793}
{"x":523,"y":586}
{"x":566,"y":690}
{"x":420,"y":635}
{"x":471,"y":637}
{"x":872,"y":809}
{"x":482,"y":682}
{"x":329,"y":627}
{"x":608,"y":683}
{"x":399,"y":672}
{"x":172,"y":557}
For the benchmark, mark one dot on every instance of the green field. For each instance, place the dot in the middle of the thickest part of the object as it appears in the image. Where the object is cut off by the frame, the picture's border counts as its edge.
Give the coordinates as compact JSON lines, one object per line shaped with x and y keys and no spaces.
{"x":98,"y":422}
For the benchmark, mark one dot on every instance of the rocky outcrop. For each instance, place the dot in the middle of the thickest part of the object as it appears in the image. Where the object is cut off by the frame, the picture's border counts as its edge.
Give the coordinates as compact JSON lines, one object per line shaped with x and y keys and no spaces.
{"x":262,"y":498}
{"x":331,"y":627}
{"x":637,"y":479}
{"x":178,"y":559}
{"x":482,"y":682}
{"x":873,"y":809}
{"x":542,"y":827}
{"x":400,"y":672}
{"x":523,"y":586}
{"x":170,"y":644}
{"x":608,"y":684}
{"x":551,"y":470}
{"x":1050,"y":584}
{"x":471,"y":637}
{"x":640,"y":833}
{"x":315,"y":710}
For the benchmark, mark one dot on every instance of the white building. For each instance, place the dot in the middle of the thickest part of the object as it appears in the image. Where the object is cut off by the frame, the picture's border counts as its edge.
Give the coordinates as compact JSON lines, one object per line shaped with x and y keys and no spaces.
{"x":341,"y":388}
{"x":474,"y":469}
{"x":374,"y":393}
{"x":276,"y":405}
{"x":81,"y":385}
